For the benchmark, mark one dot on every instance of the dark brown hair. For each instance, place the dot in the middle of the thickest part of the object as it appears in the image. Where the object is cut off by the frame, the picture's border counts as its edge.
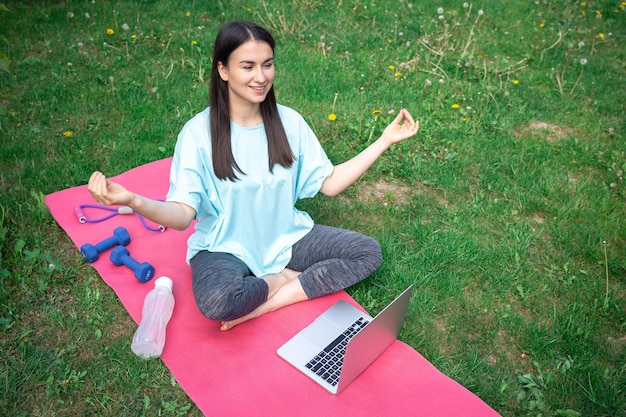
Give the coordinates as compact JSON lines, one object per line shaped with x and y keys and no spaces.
{"x":230,"y":37}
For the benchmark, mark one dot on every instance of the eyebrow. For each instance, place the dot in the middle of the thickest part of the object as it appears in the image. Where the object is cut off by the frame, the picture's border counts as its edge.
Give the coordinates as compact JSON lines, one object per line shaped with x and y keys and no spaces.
{"x":252,"y":62}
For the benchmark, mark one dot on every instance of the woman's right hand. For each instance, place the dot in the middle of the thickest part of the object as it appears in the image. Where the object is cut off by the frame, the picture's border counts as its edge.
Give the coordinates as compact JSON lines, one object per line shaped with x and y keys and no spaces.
{"x":107,"y":192}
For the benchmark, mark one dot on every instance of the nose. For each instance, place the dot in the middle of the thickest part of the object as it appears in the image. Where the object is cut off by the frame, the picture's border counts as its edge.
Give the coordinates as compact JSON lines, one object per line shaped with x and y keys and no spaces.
{"x":259,"y":75}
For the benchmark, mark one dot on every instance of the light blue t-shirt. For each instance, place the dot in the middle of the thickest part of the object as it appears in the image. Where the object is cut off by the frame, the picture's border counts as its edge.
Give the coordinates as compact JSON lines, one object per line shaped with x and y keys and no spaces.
{"x":253,"y":218}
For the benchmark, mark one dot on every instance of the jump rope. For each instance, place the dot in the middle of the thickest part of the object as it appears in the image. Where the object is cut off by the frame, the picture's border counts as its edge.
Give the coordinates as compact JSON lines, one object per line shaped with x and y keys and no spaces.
{"x":80,"y":215}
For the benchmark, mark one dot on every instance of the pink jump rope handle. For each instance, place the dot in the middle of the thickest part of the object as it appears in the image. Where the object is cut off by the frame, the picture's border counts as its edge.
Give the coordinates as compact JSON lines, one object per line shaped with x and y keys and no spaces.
{"x":79,"y":214}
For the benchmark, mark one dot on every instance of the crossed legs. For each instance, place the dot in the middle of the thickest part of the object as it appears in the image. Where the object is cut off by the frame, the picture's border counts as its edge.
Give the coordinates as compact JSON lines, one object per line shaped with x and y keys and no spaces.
{"x":330,"y":259}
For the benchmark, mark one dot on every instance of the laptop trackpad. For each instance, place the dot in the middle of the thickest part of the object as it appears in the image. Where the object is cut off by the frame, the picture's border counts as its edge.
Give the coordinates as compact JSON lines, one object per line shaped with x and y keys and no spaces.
{"x":321,"y":331}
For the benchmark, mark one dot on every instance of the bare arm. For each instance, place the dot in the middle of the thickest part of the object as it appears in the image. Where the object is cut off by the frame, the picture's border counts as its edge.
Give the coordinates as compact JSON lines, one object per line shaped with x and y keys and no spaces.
{"x":170,"y":214}
{"x":347,"y":173}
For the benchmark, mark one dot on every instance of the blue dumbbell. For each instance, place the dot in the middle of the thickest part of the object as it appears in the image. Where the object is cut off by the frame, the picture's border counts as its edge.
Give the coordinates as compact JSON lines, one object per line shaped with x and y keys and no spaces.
{"x":143,"y":271}
{"x":92,"y":252}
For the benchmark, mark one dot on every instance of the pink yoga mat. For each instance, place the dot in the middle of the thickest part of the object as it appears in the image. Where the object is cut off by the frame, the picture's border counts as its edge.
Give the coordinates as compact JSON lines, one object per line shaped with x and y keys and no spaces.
{"x":238,"y":373}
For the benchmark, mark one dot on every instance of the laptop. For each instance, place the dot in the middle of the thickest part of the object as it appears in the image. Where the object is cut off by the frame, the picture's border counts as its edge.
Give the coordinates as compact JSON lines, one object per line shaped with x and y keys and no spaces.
{"x":343,"y":341}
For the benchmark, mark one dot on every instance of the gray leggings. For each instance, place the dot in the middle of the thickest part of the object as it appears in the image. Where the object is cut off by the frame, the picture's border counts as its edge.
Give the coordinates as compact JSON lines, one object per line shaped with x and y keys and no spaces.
{"x":329,"y":258}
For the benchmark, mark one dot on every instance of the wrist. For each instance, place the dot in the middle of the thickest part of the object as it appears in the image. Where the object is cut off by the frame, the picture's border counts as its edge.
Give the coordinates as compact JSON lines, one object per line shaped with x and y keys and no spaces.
{"x":384,"y":142}
{"x":135,"y":202}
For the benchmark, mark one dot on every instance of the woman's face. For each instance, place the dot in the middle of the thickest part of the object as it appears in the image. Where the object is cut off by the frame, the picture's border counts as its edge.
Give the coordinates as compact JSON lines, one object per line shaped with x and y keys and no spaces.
{"x":249,"y":73}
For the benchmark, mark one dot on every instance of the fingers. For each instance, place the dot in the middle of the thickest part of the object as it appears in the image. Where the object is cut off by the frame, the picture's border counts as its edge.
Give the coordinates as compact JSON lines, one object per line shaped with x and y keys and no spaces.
{"x":407,"y":116}
{"x":410,"y":126}
{"x":97,"y":187}
{"x":401,"y":115}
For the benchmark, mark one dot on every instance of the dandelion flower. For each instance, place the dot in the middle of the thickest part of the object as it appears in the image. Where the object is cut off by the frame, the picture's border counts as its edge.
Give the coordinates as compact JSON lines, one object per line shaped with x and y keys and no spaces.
{"x":188,"y":14}
{"x":110,"y":31}
{"x":598,"y":14}
{"x":376,"y":112}
{"x":392,"y":67}
{"x":67,"y":133}
{"x":133,"y":36}
{"x":456,"y":106}
{"x":480,"y":12}
{"x":542,"y":25}
{"x":440,"y":10}
{"x":397,"y":74}
{"x":583,"y":61}
{"x":583,"y":4}
{"x":194,"y":42}
{"x":465,"y":5}
{"x":332,"y":117}
{"x":515,"y":82}
{"x":601,"y":35}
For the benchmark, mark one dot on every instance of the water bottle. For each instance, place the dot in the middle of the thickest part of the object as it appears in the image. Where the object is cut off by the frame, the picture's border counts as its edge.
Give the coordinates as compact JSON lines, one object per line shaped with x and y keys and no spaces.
{"x":149,"y":337}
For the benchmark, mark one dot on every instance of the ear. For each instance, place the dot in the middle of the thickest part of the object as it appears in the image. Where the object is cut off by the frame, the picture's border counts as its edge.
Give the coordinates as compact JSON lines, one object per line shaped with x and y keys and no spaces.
{"x":222,"y":70}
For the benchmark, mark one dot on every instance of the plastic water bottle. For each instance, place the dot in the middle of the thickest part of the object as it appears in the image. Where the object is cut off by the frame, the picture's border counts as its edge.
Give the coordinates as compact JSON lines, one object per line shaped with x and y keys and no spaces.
{"x":158,"y":306}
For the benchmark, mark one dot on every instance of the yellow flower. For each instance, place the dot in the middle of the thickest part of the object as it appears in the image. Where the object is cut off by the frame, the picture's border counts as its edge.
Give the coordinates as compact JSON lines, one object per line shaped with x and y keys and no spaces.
{"x":583,"y":13}
{"x":110,"y":31}
{"x":67,"y":134}
{"x":194,"y":42}
{"x":375,"y":112}
{"x":456,"y":106}
{"x":601,"y":35}
{"x":515,"y":82}
{"x":392,"y":67}
{"x":598,"y":14}
{"x":332,"y":117}
{"x":397,"y":74}
{"x":583,"y":4}
{"x":188,"y":14}
{"x":133,"y":36}
{"x":248,"y":9}
{"x":542,"y":25}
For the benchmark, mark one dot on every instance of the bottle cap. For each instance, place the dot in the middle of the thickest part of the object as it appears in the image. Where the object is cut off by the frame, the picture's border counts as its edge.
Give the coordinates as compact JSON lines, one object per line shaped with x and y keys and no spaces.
{"x":164,"y":282}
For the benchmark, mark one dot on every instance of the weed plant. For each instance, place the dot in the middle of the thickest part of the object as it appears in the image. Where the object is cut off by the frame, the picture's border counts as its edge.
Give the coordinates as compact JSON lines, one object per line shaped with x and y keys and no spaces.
{"x":507,"y":212}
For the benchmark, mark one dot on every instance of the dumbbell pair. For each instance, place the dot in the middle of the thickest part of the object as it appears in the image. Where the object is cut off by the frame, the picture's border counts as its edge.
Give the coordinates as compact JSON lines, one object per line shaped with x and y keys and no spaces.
{"x":120,"y":255}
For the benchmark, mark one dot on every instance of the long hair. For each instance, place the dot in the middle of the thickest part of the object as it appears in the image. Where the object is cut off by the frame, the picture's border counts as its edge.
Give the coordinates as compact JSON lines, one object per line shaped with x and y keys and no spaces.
{"x":230,"y":37}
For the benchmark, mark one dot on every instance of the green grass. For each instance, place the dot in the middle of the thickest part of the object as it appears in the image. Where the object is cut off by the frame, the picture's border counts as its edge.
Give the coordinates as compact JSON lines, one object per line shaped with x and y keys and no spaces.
{"x":507,"y":212}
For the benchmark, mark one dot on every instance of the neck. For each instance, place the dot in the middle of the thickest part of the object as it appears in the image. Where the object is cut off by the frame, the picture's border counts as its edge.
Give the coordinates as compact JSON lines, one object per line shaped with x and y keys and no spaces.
{"x":246,"y":115}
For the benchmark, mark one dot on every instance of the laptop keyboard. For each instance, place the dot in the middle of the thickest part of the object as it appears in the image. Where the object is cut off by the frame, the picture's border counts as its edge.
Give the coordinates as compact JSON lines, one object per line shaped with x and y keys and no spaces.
{"x":327,"y":364}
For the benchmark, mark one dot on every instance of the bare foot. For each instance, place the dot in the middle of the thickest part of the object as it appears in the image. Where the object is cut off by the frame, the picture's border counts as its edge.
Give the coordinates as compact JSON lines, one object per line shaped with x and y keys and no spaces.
{"x":276,"y":281}
{"x":289,"y":293}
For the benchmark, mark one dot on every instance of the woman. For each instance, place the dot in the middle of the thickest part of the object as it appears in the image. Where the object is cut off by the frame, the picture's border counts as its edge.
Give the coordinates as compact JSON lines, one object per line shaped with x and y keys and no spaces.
{"x":238,"y":168}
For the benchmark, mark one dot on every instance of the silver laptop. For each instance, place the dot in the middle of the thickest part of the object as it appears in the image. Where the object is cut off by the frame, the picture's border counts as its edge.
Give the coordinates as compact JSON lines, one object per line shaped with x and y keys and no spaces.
{"x":343,"y":341}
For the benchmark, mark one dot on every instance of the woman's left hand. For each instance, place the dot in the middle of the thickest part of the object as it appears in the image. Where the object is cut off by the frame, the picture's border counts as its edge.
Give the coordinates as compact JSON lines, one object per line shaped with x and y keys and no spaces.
{"x":401,"y":128}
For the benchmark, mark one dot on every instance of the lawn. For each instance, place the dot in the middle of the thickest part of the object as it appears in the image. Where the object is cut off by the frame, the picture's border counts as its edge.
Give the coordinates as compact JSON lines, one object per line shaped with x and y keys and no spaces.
{"x":507,"y":211}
